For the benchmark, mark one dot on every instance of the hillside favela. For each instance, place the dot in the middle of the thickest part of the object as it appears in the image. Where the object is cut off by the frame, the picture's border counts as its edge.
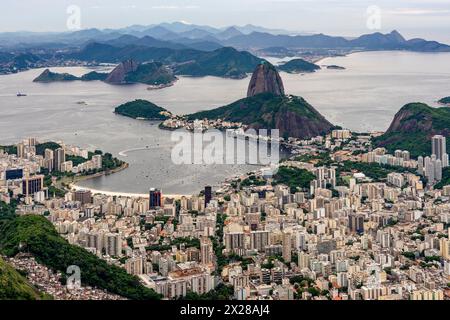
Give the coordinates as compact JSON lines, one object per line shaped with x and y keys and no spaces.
{"x":248,"y":151}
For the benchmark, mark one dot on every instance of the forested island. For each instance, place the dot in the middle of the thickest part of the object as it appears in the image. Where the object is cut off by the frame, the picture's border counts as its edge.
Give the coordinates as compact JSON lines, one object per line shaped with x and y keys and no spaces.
{"x":154,"y":74}
{"x":445,"y":101}
{"x":298,"y":66}
{"x":143,"y":110}
{"x":48,"y":76}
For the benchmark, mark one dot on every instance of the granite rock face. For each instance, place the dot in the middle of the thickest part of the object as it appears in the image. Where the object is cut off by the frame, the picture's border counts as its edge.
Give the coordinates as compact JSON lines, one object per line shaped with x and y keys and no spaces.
{"x":118,"y":75}
{"x":265,"y":79}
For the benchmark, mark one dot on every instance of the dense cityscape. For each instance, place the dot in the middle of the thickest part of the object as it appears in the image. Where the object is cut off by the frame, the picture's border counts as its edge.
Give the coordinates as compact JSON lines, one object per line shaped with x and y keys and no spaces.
{"x":328,"y":225}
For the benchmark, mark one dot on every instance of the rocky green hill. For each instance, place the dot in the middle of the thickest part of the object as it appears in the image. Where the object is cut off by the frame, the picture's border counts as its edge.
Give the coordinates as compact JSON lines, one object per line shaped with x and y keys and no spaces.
{"x":141,"y":109}
{"x":292,"y":115}
{"x":94,"y":75}
{"x":153,"y":73}
{"x":131,"y":71}
{"x":48,"y":76}
{"x":298,"y":66}
{"x":267,"y":107}
{"x":224,"y":62}
{"x":412,"y":129}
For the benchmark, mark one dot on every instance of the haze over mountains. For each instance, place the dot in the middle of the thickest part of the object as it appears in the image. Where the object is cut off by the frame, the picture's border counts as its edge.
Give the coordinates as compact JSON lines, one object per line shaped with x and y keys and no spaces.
{"x":179,"y":31}
{"x":186,"y":48}
{"x":179,"y":35}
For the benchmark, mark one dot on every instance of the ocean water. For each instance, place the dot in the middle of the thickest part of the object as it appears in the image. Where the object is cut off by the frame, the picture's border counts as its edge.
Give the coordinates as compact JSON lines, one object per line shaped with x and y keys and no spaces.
{"x":365,"y":96}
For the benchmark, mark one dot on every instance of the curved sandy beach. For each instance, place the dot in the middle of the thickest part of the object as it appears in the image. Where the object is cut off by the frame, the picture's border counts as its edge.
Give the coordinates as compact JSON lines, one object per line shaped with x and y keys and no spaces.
{"x":124,"y":194}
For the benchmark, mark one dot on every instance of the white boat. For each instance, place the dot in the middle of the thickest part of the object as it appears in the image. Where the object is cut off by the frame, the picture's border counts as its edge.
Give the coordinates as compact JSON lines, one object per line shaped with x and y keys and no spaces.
{"x":19,"y":94}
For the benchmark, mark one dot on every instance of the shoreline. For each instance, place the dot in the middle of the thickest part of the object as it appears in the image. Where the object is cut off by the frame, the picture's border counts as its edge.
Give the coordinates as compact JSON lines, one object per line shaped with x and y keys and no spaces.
{"x":126,"y":194}
{"x":74,"y":180}
{"x":73,"y":185}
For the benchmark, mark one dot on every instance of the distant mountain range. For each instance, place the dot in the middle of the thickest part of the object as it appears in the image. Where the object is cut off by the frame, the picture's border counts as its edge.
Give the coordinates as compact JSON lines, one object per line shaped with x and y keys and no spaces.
{"x":209,"y":51}
{"x":375,"y":41}
{"x":180,"y":35}
{"x":168,"y":31}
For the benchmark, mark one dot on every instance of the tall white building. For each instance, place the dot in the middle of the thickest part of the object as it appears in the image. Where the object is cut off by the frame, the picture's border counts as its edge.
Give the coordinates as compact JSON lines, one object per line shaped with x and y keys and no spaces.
{"x":113,"y":244}
{"x":433,"y":169}
{"x":439,"y":149}
{"x":287,"y":246}
{"x":206,"y":251}
{"x":259,"y":240}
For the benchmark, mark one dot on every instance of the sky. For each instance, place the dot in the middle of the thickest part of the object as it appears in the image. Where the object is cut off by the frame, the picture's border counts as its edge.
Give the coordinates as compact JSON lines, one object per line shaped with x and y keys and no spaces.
{"x":428,"y":19}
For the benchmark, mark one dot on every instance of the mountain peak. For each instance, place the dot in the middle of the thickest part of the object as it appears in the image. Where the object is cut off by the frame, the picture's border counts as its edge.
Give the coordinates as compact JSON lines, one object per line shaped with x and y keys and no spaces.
{"x":395,"y":35}
{"x":265,"y":79}
{"x":412,"y":128}
{"x":119,"y":73}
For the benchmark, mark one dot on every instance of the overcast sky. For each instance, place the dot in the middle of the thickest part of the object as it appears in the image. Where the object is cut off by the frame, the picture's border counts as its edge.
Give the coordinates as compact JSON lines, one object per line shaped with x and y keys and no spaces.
{"x":414,"y":18}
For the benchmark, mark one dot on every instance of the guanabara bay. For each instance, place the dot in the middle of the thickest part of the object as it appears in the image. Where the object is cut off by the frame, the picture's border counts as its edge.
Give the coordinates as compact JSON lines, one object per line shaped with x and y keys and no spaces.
{"x":221,"y":159}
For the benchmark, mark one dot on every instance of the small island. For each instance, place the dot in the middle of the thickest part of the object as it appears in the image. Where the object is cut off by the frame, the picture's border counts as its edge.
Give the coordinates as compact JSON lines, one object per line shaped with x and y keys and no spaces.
{"x":445,"y":101}
{"x":153,"y":74}
{"x":142,"y":110}
{"x":94,"y":76}
{"x":335,"y":67}
{"x":298,"y":66}
{"x":48,"y":76}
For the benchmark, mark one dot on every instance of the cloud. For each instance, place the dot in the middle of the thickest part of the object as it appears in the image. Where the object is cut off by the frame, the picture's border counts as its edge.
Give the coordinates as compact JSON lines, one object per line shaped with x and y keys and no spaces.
{"x":417,"y":12}
{"x":173,"y":7}
{"x":131,"y":6}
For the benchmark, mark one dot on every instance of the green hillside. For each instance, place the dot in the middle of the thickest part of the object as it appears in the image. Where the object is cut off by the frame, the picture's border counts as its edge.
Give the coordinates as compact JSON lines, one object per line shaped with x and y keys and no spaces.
{"x":37,"y":236}
{"x":292,"y":115}
{"x":153,"y":73}
{"x":94,"y":75}
{"x":412,"y":129}
{"x":224,"y":62}
{"x":14,"y":286}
